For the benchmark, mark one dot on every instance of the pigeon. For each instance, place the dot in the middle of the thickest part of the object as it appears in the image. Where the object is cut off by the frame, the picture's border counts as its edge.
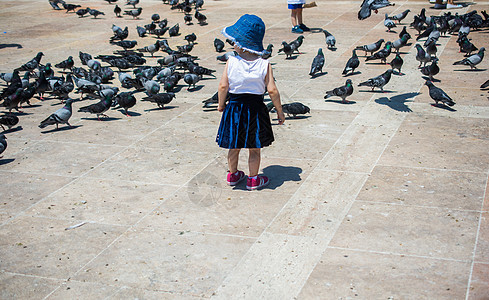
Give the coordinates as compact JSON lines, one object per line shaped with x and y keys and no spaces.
{"x":119,"y":34}
{"x":438,"y":94}
{"x":226,"y":55}
{"x":70,"y":7}
{"x":352,"y":63}
{"x":54,"y":4}
{"x":134,"y":13}
{"x":317,"y":63}
{"x":432,"y":69}
{"x":94,"y":64}
{"x":295,"y":108}
{"x":32,"y":64}
{"x":330,"y":39}
{"x":267,"y":53}
{"x":399,"y":43}
{"x":152,"y":87}
{"x":84,"y":57}
{"x":110,"y":1}
{"x":155,"y":18}
{"x":465,"y":45}
{"x":13,"y":100}
{"x":62,"y":89}
{"x":382,"y":54}
{"x":174,"y":30}
{"x":215,"y":100}
{"x":187,"y":19}
{"x":371,"y":47}
{"x":485,"y":84}
{"x":389,"y":23}
{"x":379,"y":81}
{"x":430,"y":46}
{"x":151,"y":48}
{"x":117,"y":11}
{"x":3,"y":143}
{"x":403,"y":32}
{"x":425,"y":33}
{"x":295,"y":44}
{"x":15,"y":83}
{"x":190,"y":38}
{"x":368,"y":5}
{"x":82,"y":12}
{"x":125,"y":44}
{"x":132,"y":2}
{"x":200,"y":17}
{"x":160,"y":99}
{"x":472,"y":60}
{"x":185,"y":48}
{"x":422,"y":56}
{"x":230,"y":42}
{"x":66,"y":64}
{"x":125,"y":100}
{"x":98,"y":108}
{"x":7,"y":77}
{"x":150,"y":27}
{"x":27,"y":94}
{"x":400,"y":16}
{"x":342,"y":91}
{"x":9,"y":120}
{"x":141,"y":31}
{"x":191,"y":79}
{"x":61,"y":116}
{"x":95,"y":13}
{"x":218,"y":45}
{"x":163,"y":23}
{"x":160,"y":31}
{"x":287,"y":49}
{"x":397,"y":63}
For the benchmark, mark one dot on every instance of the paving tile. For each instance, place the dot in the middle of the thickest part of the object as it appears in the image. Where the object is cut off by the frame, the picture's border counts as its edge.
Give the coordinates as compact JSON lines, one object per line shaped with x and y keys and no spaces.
{"x":479,"y":284}
{"x":345,"y":274}
{"x":425,"y":187}
{"x":190,"y":263}
{"x":14,"y":286}
{"x":422,"y":231}
{"x":42,"y":247}
{"x":482,"y":248}
{"x":131,"y":293}
{"x":73,"y":289}
{"x":19,"y":191}
{"x":108,"y":201}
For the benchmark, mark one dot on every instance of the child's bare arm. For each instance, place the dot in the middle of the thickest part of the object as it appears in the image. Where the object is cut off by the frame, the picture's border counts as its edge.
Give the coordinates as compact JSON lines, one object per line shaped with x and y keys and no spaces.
{"x":223,"y":89}
{"x":274,"y":95}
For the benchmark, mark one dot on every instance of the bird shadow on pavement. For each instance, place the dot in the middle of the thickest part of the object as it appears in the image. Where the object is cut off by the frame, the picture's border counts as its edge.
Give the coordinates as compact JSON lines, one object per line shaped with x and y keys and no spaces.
{"x":195,"y":89}
{"x":6,"y":161}
{"x":162,"y":108}
{"x":292,"y":57}
{"x":316,"y":30}
{"x":318,"y":75}
{"x":64,"y":128}
{"x":427,"y":78}
{"x":130,"y":113}
{"x":18,"y":46}
{"x":353,"y":73}
{"x":471,"y":70}
{"x":102,"y":119}
{"x":442,"y":106}
{"x":397,"y":102}
{"x":18,"y":128}
{"x":341,"y":102}
{"x":278,"y":175}
{"x":376,"y":91}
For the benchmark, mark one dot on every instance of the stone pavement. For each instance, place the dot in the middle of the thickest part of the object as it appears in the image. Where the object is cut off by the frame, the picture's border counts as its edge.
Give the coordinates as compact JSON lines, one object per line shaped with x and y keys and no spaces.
{"x":385,"y":198}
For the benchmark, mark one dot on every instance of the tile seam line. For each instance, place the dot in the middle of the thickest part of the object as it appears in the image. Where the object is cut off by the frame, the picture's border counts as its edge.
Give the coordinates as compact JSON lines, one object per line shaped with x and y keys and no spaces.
{"x":399,"y":254}
{"x":90,"y":170}
{"x":432,"y":169}
{"x":418,"y":206}
{"x":469,"y":281}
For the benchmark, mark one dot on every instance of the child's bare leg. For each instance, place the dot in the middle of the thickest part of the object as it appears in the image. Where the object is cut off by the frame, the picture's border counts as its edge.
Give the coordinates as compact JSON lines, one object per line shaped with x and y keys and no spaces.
{"x":299,"y":16}
{"x":233,"y":157}
{"x":254,"y":161}
{"x":293,"y":16}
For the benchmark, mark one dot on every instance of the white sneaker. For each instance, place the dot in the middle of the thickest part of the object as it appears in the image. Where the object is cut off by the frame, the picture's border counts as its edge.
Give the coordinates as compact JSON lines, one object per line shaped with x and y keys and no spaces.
{"x":452,"y":6}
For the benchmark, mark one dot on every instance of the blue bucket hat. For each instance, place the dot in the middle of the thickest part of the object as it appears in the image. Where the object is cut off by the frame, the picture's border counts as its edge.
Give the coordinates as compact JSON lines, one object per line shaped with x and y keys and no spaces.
{"x":247,"y":33}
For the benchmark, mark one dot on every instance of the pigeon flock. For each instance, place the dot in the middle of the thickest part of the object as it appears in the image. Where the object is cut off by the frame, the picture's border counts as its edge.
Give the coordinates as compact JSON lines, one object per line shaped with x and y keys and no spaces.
{"x":113,"y":81}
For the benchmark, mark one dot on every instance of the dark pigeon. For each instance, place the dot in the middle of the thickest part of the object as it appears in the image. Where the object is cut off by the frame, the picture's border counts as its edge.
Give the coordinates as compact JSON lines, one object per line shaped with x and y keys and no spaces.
{"x":379,"y":81}
{"x":438,"y":94}
{"x":342,"y":91}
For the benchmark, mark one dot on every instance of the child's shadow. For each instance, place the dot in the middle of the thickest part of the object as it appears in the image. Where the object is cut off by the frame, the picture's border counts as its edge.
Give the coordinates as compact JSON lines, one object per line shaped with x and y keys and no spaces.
{"x":279,"y":175}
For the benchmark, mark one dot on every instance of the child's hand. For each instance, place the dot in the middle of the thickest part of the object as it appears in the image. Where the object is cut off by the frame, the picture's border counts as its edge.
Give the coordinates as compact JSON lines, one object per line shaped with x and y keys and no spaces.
{"x":281,"y":118}
{"x":220,"y":108}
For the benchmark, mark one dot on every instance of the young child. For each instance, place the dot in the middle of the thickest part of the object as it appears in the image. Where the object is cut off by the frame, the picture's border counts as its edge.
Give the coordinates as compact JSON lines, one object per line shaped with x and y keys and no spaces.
{"x":245,"y":122}
{"x":295,"y":7}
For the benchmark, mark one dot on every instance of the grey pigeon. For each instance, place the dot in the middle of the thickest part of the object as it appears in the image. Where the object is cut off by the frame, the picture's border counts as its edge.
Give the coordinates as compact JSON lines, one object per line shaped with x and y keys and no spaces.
{"x":32,"y":64}
{"x":287,"y":49}
{"x":352,"y":63}
{"x":160,"y":99}
{"x":389,"y":23}
{"x":432,"y":69}
{"x":342,"y":91}
{"x":371,"y":47}
{"x":9,"y":120}
{"x":82,"y":12}
{"x":190,"y":38}
{"x":141,"y":31}
{"x":134,"y":13}
{"x":422,"y":56}
{"x":403,"y":32}
{"x":125,"y":44}
{"x":397,"y":63}
{"x":381,"y":54}
{"x":70,"y":7}
{"x":368,"y":6}
{"x":191,"y":79}
{"x":152,"y":87}
{"x":94,"y":64}
{"x":438,"y":94}
{"x":400,"y":16}
{"x":330,"y":39}
{"x":61,"y":116}
{"x":132,"y":2}
{"x":465,"y":45}
{"x":125,"y":100}
{"x":430,"y":46}
{"x":317,"y":63}
{"x":472,"y":60}
{"x":152,"y":49}
{"x":379,"y":81}
{"x":267,"y":53}
{"x":13,"y":100}
{"x":66,"y":64}
{"x":95,"y":13}
{"x":173,"y":31}
{"x":218,"y":45}
{"x":295,"y":44}
{"x":399,"y":43}
{"x":226,"y":55}
{"x":84,"y":57}
{"x":3,"y":143}
{"x":7,"y":77}
{"x":295,"y":108}
{"x":98,"y":108}
{"x":200,"y":17}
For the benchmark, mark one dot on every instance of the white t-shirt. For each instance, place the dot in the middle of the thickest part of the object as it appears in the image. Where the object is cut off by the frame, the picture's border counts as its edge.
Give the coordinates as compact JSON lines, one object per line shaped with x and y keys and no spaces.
{"x":296,"y":1}
{"x":247,"y":77}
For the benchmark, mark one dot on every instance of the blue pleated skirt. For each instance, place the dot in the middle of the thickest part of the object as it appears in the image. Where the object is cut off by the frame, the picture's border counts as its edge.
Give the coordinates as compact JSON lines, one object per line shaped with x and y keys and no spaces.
{"x":245,"y":123}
